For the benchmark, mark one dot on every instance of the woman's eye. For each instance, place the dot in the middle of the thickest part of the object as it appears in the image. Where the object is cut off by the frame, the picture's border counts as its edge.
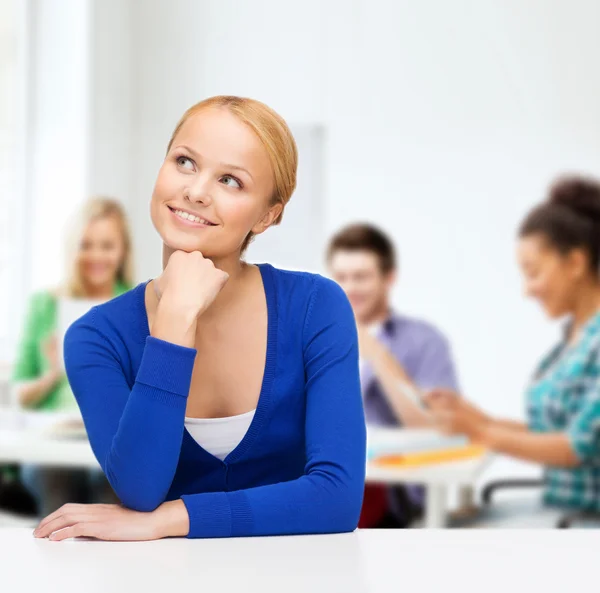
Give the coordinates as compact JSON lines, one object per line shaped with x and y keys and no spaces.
{"x":231,"y":181}
{"x":186,"y":163}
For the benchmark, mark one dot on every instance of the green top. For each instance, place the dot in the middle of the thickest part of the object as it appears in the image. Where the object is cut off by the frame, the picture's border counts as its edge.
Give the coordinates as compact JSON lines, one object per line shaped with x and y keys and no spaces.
{"x":31,"y":362}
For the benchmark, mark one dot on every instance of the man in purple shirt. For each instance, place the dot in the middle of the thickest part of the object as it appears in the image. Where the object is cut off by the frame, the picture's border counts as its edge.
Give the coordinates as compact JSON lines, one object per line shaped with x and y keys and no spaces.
{"x":399,"y":356}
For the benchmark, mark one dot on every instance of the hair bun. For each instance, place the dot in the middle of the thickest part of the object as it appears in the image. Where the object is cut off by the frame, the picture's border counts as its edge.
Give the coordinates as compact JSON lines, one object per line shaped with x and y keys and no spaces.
{"x":580,"y":195}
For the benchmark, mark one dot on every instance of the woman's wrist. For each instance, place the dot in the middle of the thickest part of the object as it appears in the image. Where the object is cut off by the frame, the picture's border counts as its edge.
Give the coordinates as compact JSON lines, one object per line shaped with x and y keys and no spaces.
{"x":172,"y":519}
{"x":486,"y":432}
{"x":174,"y":325}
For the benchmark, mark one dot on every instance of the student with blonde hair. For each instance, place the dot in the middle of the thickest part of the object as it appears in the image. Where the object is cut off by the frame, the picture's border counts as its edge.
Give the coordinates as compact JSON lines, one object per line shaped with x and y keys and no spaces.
{"x":221,"y":398}
{"x":99,"y":267}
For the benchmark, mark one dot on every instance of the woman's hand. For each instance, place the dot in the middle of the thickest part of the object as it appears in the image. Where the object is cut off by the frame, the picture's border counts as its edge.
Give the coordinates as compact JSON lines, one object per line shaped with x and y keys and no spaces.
{"x":113,"y":522}
{"x":190,"y":282}
{"x":30,"y":393}
{"x":453,"y":414}
{"x":50,"y":349}
{"x":186,"y":288}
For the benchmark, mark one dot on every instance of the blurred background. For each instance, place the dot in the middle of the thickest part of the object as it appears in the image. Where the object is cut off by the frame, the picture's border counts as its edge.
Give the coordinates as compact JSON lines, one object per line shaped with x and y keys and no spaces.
{"x":440,"y":122}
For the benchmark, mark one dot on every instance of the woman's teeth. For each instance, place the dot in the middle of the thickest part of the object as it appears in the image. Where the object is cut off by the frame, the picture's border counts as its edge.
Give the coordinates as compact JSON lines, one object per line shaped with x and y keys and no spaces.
{"x":191,"y":217}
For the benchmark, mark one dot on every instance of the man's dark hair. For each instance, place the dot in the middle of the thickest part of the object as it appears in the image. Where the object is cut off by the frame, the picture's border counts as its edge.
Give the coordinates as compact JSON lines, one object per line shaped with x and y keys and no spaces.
{"x":365,"y":237}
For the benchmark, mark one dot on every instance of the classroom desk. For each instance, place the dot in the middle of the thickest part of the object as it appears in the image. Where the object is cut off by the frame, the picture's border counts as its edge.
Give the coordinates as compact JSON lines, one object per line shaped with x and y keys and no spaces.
{"x":366,"y":561}
{"x":18,"y":446}
{"x":435,"y":478}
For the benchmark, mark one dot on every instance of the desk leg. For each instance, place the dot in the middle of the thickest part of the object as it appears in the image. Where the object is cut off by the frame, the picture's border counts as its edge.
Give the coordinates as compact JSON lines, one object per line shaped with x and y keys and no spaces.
{"x":435,"y":506}
{"x":466,"y":497}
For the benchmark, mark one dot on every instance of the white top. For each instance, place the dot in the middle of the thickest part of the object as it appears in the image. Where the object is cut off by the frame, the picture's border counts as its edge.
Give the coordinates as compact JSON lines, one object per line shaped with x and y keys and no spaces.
{"x":219,"y":436}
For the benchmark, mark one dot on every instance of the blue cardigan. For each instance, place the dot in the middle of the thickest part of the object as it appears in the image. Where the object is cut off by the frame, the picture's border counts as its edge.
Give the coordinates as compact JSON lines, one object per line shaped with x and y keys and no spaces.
{"x":300,"y":468}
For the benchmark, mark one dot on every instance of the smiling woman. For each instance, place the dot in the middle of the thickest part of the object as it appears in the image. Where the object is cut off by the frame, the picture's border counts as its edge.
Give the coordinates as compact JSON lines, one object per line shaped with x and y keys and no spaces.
{"x":203,"y":167}
{"x":221,"y":399}
{"x":559,"y":254}
{"x":100,"y":267}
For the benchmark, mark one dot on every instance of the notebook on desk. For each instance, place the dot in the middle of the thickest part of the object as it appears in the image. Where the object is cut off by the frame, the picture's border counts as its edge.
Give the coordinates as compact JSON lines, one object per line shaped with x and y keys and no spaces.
{"x":400,"y":447}
{"x":432,"y":457}
{"x":401,"y":441}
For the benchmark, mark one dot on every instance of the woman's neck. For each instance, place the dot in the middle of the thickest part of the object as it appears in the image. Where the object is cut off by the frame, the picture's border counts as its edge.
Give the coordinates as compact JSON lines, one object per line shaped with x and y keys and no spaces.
{"x":586,"y":306}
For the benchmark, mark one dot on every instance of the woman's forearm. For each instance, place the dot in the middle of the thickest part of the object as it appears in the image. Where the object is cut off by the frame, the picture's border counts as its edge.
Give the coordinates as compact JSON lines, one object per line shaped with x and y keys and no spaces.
{"x":547,"y":449}
{"x":511,"y":425}
{"x":30,"y":393}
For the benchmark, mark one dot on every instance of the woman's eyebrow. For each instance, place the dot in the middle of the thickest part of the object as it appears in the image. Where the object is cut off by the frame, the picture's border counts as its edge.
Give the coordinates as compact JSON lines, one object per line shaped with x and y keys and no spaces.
{"x":236,"y":168}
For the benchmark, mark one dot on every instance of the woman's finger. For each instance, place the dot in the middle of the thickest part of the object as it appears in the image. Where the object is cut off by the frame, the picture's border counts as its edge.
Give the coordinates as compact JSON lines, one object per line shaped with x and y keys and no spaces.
{"x":444,"y":420}
{"x":84,"y":529}
{"x":65,"y":508}
{"x":61,"y":522}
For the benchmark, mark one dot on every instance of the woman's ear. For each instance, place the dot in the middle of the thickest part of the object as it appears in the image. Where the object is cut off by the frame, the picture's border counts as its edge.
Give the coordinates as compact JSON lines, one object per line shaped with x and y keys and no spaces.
{"x":579,"y":262}
{"x":268,"y":219}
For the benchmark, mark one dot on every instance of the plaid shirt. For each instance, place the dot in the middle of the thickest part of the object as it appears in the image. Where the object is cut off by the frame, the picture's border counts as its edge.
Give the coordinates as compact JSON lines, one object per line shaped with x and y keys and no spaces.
{"x":564,"y":396}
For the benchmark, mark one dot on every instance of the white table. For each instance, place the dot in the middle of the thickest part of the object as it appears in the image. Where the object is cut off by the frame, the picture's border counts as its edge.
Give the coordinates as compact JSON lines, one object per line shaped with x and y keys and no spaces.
{"x":19,"y":446}
{"x":435,"y":478}
{"x":366,"y":561}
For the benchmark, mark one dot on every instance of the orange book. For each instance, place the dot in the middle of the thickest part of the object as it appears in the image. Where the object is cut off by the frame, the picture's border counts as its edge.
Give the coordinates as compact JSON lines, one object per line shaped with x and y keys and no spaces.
{"x":430,"y":457}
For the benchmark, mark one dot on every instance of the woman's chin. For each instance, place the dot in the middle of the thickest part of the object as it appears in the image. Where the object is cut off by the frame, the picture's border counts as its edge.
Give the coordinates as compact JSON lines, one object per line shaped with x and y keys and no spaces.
{"x":181,"y":244}
{"x":555,"y":312}
{"x":99,"y":281}
{"x":178,"y":241}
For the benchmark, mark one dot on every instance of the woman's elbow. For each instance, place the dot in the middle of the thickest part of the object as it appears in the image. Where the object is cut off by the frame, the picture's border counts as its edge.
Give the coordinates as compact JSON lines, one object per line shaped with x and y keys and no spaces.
{"x":346,"y":518}
{"x":345,"y":506}
{"x":142,"y":505}
{"x":136,"y":495}
{"x":143,"y":502}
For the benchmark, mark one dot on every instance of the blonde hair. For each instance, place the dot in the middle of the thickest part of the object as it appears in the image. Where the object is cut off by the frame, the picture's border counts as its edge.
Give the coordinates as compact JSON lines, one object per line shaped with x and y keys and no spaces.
{"x":273,"y":133}
{"x":95,"y":209}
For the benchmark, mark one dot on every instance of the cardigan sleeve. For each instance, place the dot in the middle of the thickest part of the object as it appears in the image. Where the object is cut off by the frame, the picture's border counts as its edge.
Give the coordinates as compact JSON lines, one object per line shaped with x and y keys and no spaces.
{"x":135,"y":430}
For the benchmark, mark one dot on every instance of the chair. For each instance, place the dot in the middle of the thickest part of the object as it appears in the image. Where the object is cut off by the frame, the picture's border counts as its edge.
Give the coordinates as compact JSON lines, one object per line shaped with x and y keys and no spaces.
{"x":564,"y":522}
{"x":14,"y":496}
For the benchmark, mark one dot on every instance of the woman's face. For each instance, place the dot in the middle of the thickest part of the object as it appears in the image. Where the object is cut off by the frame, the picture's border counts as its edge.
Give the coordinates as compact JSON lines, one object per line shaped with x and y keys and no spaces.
{"x":550,"y":277}
{"x":101,"y":252}
{"x":214,"y":186}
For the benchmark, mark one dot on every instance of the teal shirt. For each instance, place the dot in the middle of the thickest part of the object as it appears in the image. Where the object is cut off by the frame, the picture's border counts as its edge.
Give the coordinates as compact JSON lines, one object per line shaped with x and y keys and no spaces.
{"x":31,"y":362}
{"x":564,"y":396}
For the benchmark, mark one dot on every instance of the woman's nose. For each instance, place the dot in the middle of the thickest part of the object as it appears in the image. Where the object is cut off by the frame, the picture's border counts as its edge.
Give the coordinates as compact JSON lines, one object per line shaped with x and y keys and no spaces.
{"x":200,"y":191}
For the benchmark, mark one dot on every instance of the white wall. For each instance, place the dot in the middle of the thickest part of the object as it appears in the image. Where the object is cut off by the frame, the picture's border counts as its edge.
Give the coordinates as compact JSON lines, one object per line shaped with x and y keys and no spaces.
{"x":59,"y":128}
{"x":111,"y":107}
{"x":444,"y":123}
{"x":80,"y":120}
